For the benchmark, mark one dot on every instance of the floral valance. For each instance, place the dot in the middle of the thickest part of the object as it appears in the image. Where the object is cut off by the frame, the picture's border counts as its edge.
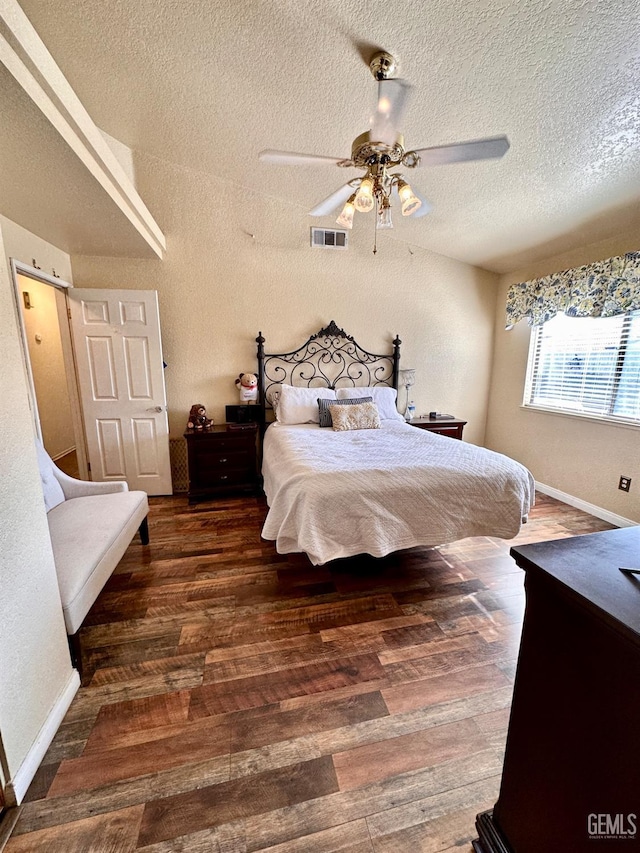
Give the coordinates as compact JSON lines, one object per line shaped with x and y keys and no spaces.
{"x":602,"y":289}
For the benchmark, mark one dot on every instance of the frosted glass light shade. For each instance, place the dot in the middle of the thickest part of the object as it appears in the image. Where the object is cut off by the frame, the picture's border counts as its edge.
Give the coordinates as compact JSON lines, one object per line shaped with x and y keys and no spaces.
{"x":410,"y":202}
{"x":384,"y":217}
{"x":364,"y":196}
{"x":346,"y":216}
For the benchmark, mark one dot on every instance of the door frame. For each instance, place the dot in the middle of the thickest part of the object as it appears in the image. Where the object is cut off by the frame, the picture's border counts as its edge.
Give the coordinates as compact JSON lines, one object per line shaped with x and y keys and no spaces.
{"x":20,"y":268}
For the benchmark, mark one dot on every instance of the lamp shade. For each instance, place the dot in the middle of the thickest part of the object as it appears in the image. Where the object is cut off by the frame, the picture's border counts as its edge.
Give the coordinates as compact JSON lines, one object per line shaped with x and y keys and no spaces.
{"x":407,"y":377}
{"x":346,"y":216}
{"x":410,"y":202}
{"x":384,"y":216}
{"x":364,"y":196}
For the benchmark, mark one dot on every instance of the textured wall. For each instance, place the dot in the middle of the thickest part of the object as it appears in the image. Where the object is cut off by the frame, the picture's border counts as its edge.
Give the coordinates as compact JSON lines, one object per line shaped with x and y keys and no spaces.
{"x":580,"y":457}
{"x":47,"y":365}
{"x":219,"y":286}
{"x":34,"y":663}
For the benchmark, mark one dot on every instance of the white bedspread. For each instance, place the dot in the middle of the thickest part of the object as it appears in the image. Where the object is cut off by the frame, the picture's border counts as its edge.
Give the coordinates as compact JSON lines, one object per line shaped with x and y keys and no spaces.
{"x":337,"y":494}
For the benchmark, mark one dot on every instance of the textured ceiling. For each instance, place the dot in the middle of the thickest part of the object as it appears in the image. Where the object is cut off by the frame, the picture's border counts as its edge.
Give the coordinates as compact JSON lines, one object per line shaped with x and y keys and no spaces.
{"x":208,"y":84}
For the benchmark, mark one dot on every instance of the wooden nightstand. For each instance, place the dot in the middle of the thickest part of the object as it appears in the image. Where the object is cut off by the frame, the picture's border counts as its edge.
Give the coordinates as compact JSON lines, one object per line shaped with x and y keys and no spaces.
{"x":221,"y":460}
{"x":451,"y":426}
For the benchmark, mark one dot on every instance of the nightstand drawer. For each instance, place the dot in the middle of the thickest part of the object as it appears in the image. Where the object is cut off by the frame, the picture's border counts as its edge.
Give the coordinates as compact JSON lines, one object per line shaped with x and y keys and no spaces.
{"x":452,"y":432}
{"x":225,"y":477}
{"x":232,"y":443}
{"x":212,"y":459}
{"x":450,"y":427}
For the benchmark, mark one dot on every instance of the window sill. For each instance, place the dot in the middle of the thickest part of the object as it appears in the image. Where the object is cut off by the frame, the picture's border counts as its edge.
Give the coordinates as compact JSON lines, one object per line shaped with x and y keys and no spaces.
{"x":596,"y":419}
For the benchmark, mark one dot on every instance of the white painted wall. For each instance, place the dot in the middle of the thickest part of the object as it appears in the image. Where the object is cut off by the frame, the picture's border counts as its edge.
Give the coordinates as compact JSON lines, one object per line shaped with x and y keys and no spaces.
{"x":582,"y":458}
{"x":35,"y":669}
{"x":219,"y":286}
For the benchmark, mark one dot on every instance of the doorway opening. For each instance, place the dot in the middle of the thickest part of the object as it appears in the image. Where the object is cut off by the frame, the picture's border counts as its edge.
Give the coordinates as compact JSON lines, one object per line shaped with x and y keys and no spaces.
{"x":49,"y":363}
{"x":107,"y":346}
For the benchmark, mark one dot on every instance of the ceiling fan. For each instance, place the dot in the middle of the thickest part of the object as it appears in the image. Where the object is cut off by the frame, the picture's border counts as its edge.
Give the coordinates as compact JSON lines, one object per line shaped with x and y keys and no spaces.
{"x":381,"y":150}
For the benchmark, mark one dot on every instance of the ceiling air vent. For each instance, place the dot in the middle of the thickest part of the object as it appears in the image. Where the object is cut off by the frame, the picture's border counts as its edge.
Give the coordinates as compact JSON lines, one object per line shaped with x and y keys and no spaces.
{"x":325,"y":238}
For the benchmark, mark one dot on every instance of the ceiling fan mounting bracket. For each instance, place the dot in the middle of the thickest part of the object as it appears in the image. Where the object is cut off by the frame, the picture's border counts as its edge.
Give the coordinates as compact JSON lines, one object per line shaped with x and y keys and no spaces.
{"x":382,"y":65}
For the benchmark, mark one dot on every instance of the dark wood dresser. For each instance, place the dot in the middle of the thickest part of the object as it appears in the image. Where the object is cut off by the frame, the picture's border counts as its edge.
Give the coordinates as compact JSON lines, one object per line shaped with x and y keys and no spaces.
{"x":571,"y":776}
{"x":444,"y":426}
{"x":221,"y":460}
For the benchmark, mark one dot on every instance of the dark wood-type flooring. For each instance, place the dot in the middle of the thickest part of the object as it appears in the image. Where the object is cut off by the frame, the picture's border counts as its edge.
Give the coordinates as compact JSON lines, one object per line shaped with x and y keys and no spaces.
{"x":69,"y":464}
{"x":243,"y":701}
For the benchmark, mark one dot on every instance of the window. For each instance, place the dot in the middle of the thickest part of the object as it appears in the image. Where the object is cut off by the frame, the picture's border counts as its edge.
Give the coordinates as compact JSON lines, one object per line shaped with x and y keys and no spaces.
{"x":586,"y":366}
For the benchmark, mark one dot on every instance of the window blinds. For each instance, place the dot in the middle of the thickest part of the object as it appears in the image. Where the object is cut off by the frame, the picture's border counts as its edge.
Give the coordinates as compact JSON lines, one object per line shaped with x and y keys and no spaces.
{"x":588,"y":366}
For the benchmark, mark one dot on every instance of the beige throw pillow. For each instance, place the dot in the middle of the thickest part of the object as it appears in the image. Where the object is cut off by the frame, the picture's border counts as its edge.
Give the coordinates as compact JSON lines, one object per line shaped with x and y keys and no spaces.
{"x":355,"y":416}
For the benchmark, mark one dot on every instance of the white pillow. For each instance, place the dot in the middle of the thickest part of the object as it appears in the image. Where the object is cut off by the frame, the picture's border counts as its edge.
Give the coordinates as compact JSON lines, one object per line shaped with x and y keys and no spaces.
{"x":51,"y":488}
{"x":300,"y":405}
{"x":383,"y":396}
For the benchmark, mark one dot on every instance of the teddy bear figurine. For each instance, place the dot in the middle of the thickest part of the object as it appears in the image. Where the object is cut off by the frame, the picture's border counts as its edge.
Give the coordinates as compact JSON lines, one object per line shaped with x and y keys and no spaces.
{"x":247,"y":385}
{"x":198,"y":417}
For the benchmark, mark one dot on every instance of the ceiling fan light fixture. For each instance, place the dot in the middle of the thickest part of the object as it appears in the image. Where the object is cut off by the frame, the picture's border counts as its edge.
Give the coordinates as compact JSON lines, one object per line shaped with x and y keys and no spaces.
{"x":346,"y":215}
{"x":364,"y":196}
{"x":379,"y":151}
{"x":410,"y":201}
{"x":384,"y":215}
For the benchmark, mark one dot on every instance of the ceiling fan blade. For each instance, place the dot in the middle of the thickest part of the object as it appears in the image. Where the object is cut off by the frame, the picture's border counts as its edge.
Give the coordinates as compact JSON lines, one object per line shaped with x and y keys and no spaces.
{"x":334,"y":201}
{"x":290,"y":158}
{"x":462,"y":152}
{"x":424,"y":208}
{"x":392,"y":100}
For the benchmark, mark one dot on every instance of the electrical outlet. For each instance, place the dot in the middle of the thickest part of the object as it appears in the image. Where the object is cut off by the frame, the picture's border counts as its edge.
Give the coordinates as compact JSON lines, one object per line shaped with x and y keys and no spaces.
{"x":624,"y":483}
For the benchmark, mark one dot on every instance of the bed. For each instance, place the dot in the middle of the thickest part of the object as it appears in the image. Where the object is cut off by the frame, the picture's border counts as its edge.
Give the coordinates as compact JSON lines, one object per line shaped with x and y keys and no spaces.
{"x":338,"y":493}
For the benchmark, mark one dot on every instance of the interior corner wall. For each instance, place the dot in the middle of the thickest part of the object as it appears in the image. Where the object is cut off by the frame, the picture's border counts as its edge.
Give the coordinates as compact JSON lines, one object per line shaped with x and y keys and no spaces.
{"x":232,"y":270}
{"x":35,"y":668}
{"x":579,"y":457}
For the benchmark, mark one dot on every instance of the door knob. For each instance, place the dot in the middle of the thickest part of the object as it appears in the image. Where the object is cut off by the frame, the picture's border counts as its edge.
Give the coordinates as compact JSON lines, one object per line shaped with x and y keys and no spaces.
{"x":155,"y":409}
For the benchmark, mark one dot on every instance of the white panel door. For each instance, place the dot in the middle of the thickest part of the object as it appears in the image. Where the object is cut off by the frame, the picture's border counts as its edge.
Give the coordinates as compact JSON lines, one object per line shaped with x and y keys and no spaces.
{"x":116,"y":338}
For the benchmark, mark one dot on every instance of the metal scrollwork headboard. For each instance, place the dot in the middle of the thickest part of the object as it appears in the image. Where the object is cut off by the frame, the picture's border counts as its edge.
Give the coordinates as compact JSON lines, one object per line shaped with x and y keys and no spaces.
{"x":329,"y":359}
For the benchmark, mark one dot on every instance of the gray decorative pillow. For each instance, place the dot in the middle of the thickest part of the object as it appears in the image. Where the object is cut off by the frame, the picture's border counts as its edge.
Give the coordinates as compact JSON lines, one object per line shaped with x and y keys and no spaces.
{"x":325,"y":414}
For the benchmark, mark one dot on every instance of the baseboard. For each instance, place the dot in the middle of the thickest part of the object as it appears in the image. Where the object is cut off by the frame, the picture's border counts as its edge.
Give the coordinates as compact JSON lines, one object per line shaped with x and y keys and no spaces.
{"x":592,"y":509}
{"x":17,"y":787}
{"x":64,"y":453}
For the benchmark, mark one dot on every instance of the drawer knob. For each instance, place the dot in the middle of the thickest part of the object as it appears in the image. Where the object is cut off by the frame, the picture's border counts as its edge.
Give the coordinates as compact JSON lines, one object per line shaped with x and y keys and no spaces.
{"x":224,"y":476}
{"x":224,"y":459}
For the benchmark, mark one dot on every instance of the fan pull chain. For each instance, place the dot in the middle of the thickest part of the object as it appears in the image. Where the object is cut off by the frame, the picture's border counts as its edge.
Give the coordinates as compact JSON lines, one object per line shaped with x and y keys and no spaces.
{"x":375,"y":229}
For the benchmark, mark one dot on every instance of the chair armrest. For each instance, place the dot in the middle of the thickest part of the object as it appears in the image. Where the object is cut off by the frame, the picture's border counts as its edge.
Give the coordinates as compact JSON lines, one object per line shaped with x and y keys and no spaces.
{"x":73,"y":488}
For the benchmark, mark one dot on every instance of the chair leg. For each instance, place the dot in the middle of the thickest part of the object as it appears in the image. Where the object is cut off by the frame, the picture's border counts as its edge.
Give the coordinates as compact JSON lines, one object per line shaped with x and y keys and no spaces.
{"x":144,"y":531}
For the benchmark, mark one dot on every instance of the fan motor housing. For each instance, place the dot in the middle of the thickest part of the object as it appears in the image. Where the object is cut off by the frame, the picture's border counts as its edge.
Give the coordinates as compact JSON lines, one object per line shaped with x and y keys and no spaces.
{"x":365,"y":151}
